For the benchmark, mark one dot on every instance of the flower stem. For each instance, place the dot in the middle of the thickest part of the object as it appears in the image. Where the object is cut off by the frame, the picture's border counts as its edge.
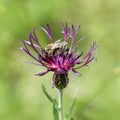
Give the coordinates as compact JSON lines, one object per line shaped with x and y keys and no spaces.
{"x":60,"y":92}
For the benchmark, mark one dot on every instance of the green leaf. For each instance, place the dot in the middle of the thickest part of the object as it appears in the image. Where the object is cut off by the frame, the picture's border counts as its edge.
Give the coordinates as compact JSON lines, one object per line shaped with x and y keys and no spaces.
{"x":69,"y":111}
{"x":55,"y":112}
{"x":47,"y":95}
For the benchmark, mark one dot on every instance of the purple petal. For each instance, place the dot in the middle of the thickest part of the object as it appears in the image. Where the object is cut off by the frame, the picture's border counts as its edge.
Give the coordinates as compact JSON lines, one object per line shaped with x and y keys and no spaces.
{"x":31,"y":44}
{"x":93,"y":48}
{"x":48,"y":32}
{"x":65,"y":31}
{"x":73,"y":35}
{"x":31,"y":41}
{"x":26,"y":50}
{"x":74,"y":32}
{"x":42,"y":73}
{"x":76,"y":72}
{"x":88,"y":58}
{"x":36,"y":39}
{"x":77,"y":56}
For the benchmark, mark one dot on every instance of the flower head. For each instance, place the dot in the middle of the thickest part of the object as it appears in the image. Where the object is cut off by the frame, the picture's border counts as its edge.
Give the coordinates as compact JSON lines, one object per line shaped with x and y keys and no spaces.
{"x":58,"y":57}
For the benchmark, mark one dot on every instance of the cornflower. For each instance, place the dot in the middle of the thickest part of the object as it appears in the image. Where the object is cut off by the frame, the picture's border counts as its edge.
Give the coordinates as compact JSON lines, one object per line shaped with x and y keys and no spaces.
{"x":59,"y":57}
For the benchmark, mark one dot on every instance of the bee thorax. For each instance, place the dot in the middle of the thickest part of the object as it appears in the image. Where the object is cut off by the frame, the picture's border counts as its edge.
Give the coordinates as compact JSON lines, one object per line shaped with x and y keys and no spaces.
{"x":56,"y":48}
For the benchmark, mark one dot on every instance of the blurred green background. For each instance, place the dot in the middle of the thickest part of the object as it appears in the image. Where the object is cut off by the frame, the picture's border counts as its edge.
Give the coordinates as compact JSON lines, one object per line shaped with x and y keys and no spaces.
{"x":21,"y":97}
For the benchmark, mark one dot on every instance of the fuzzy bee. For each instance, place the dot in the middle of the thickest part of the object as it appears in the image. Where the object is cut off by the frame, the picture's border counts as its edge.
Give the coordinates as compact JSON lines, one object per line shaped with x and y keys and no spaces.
{"x":55,"y":48}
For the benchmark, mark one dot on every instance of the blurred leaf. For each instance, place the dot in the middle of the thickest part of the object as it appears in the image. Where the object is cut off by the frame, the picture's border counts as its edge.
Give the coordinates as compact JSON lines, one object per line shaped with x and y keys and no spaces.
{"x":70,"y":109}
{"x":48,"y":95}
{"x":55,"y":110}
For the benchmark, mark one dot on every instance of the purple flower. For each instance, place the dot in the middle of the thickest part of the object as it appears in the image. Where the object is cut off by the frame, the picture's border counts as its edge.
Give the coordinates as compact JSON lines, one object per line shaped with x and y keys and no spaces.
{"x":58,"y":56}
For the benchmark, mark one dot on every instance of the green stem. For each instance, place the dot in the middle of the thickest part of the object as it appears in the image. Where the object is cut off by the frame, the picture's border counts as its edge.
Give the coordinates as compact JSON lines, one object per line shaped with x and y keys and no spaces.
{"x":60,"y":92}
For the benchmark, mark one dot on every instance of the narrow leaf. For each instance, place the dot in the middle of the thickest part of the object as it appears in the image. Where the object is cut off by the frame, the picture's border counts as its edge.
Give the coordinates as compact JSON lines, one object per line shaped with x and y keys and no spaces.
{"x":46,"y":93}
{"x":55,"y":112}
{"x":69,"y":111}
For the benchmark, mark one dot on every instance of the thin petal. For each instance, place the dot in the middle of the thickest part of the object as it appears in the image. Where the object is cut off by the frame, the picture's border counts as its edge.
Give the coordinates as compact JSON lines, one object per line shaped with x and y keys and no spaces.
{"x":88,"y":58}
{"x":42,"y":73}
{"x":48,"y":31}
{"x":76,"y":72}
{"x":26,"y":50}
{"x":65,"y":31}
{"x":36,"y":39}
{"x":29,"y":43}
{"x":73,"y":35}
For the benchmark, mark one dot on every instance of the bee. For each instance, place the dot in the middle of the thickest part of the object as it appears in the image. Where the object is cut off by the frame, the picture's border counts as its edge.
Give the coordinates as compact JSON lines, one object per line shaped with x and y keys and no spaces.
{"x":53,"y":49}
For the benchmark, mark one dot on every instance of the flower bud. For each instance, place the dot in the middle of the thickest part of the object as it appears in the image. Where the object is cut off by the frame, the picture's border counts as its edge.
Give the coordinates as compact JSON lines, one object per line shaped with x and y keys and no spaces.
{"x":61,"y":81}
